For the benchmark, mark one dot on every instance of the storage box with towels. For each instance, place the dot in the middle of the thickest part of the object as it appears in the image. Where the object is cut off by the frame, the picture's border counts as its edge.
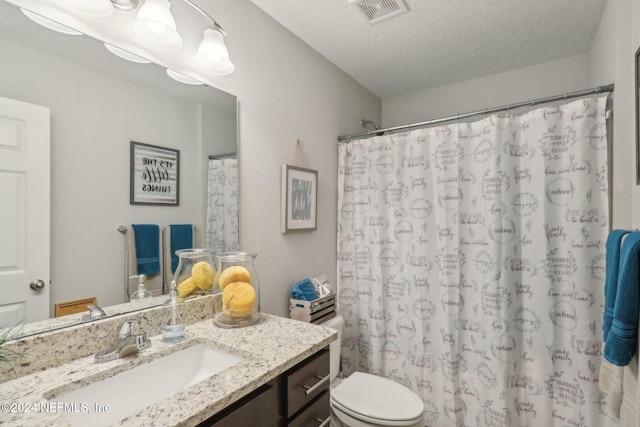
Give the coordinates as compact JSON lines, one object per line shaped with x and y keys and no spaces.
{"x":317,"y":310}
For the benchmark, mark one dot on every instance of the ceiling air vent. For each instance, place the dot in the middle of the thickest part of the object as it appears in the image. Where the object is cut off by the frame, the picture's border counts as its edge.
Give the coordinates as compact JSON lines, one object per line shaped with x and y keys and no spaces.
{"x":379,"y":10}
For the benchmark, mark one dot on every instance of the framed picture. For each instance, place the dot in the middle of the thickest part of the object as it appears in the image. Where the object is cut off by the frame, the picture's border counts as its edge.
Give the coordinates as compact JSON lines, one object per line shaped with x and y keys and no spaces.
{"x":154,"y":175}
{"x":637,"y":89}
{"x":299,"y":199}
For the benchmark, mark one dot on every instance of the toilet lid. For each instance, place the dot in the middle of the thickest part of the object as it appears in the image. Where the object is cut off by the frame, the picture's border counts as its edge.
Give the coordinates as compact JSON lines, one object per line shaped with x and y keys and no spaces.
{"x":377,"y":398}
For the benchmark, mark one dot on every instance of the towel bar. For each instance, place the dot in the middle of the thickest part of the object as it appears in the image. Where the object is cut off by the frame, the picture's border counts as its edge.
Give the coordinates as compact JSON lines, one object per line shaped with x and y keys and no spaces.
{"x":123,"y":228}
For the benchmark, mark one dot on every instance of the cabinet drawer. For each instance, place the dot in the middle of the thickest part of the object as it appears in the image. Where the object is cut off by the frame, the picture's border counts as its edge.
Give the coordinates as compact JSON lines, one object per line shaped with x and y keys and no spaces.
{"x":306,"y":381}
{"x":315,"y":415}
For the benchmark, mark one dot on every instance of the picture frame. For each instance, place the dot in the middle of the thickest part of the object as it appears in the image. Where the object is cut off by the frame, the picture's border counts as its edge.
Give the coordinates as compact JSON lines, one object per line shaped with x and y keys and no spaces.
{"x":637,"y":115}
{"x":299,"y":194}
{"x":154,"y":175}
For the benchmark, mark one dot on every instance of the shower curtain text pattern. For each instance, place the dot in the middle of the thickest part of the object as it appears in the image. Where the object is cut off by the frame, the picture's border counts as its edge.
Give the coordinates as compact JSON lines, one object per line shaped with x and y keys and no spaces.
{"x":222,"y":206}
{"x":471,"y":265}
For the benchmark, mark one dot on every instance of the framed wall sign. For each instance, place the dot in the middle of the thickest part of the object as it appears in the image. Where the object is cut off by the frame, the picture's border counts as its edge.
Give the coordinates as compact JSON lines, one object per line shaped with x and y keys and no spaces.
{"x":154,"y":175}
{"x":299,"y":199}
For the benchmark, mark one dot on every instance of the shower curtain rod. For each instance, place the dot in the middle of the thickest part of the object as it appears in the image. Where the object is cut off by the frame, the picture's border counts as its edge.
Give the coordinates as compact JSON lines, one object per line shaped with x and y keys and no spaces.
{"x":220,"y":156}
{"x":565,"y":96}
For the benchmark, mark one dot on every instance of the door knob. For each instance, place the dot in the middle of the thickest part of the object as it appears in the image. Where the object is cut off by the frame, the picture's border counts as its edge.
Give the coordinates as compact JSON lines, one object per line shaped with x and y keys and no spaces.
{"x":37,"y":285}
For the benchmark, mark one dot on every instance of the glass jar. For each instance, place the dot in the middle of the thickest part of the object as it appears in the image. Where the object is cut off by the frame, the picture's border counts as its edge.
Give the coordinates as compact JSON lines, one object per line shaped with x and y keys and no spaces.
{"x":237,"y":283}
{"x":195,"y":273}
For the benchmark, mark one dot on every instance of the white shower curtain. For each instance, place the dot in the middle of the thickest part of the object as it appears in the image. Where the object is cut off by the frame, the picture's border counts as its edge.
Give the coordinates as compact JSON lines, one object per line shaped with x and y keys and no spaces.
{"x":222,"y":205}
{"x":471,"y":265}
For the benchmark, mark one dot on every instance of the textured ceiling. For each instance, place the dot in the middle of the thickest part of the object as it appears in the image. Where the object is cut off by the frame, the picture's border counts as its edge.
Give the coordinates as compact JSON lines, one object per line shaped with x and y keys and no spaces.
{"x":439,"y":42}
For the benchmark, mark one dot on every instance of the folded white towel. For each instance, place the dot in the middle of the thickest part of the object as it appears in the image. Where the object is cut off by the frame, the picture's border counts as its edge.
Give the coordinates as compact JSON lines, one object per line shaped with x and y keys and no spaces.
{"x":323,"y":288}
{"x":629,"y":412}
{"x":610,"y":382}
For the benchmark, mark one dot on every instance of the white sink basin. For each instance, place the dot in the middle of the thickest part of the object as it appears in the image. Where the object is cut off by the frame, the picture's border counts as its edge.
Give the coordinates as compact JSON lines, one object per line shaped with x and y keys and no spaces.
{"x":110,"y":400}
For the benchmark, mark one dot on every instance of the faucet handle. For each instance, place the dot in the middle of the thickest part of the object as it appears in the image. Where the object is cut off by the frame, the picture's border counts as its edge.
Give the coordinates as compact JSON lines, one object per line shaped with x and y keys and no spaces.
{"x":128,"y":328}
{"x":142,"y":341}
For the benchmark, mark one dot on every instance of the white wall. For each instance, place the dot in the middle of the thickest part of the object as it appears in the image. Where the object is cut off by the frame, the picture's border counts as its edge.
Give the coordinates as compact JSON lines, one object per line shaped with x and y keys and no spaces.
{"x":538,"y":81}
{"x":611,"y":60}
{"x":94,"y":116}
{"x":286,"y":91}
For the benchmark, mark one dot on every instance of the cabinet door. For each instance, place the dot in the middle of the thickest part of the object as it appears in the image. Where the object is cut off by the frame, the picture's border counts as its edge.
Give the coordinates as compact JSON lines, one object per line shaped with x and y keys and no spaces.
{"x":258,"y":409}
{"x":316,"y":415}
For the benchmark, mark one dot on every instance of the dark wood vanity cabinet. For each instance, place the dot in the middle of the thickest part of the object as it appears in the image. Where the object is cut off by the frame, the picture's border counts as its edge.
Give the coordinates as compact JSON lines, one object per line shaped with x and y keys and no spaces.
{"x":297,"y":398}
{"x":258,"y":408}
{"x":306,"y":391}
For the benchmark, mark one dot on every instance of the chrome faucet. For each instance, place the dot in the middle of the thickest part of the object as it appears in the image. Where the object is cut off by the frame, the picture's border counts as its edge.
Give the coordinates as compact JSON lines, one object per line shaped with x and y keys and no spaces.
{"x":127,"y":343}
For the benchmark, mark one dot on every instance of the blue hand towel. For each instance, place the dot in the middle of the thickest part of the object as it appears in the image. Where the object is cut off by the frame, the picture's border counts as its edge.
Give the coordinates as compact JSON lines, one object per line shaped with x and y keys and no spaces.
{"x":304,"y":290}
{"x":612,"y":265}
{"x":620,"y":344}
{"x":181,"y":238}
{"x":147,"y":238}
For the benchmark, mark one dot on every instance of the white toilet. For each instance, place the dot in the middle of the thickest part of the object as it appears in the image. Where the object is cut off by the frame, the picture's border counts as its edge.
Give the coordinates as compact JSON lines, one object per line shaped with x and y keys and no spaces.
{"x":366,"y":400}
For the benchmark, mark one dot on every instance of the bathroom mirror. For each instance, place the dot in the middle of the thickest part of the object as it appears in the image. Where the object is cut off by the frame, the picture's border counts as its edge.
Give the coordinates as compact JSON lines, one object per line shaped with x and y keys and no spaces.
{"x":98,"y":104}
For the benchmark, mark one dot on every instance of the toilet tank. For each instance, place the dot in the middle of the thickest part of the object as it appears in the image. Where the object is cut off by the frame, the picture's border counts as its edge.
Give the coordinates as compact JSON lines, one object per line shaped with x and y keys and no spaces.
{"x":334,"y":348}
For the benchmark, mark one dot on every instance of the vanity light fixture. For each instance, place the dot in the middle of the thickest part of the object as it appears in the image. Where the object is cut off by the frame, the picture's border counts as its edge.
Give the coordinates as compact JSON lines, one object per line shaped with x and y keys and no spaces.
{"x":95,"y":8}
{"x":124,"y":54}
{"x":156,"y":26}
{"x":50,"y":24}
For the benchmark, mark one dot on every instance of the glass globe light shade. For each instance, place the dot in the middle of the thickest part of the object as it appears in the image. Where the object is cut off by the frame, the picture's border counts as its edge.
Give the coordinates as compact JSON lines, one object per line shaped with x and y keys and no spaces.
{"x":213,"y":56}
{"x":125,"y":54}
{"x":50,"y":24}
{"x":156,"y":27}
{"x":182,"y":78}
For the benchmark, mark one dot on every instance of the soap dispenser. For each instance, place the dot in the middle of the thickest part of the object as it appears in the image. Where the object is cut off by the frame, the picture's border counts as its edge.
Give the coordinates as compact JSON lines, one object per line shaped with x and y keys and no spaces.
{"x":142,"y":291}
{"x":173,"y":331}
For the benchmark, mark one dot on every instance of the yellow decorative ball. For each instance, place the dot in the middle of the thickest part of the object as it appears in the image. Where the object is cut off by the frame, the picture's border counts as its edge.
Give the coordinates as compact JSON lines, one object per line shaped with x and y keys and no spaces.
{"x":236,"y":273}
{"x":203,"y":275}
{"x":238,"y":299}
{"x":187,"y":287}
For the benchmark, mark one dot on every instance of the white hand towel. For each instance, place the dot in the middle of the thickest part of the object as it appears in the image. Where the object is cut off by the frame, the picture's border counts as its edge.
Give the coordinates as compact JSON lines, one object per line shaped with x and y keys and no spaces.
{"x":610,"y":382}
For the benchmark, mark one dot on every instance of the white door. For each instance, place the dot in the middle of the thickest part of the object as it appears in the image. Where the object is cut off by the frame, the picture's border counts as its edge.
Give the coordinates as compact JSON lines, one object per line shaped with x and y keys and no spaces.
{"x":24,"y":212}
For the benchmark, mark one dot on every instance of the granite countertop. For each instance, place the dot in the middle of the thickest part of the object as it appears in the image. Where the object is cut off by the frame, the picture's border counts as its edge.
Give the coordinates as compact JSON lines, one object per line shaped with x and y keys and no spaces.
{"x":270,"y":347}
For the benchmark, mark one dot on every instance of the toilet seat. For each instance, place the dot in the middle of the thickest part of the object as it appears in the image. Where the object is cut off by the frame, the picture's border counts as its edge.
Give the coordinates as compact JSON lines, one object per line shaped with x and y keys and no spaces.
{"x":377,"y":400}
